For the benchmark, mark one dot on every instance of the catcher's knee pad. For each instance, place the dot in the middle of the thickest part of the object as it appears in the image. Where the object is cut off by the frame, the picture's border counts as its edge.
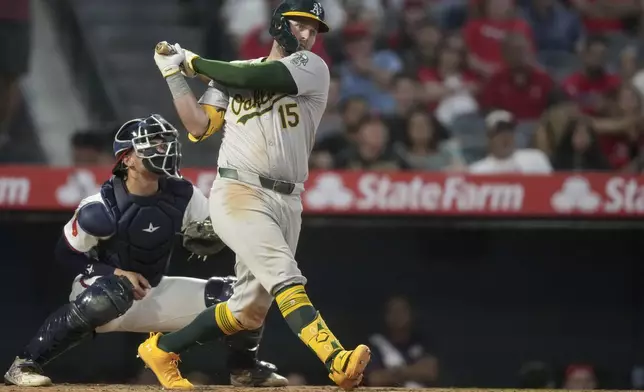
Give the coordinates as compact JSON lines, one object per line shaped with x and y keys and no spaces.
{"x":218,"y":289}
{"x":108,"y":298}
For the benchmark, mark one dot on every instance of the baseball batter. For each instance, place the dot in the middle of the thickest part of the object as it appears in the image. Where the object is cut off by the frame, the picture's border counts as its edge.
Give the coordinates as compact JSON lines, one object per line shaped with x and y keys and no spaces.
{"x":270,"y":109}
{"x":120,"y":240}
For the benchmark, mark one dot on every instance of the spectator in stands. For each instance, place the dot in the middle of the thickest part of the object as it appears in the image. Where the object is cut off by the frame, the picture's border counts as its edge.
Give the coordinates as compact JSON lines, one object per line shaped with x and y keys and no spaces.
{"x":413,"y":17}
{"x":590,"y":85}
{"x":451,"y":14}
{"x":367,"y":12}
{"x":555,"y":27}
{"x":621,"y":133}
{"x":503,"y":156}
{"x":321,"y":158}
{"x":628,"y":63}
{"x":536,"y":375}
{"x":553,"y":122}
{"x":521,"y":87}
{"x":16,"y":38}
{"x":405,"y":92}
{"x":91,"y":148}
{"x":366,"y":71}
{"x":579,"y":149}
{"x":332,"y":119}
{"x":370,"y":150}
{"x":423,"y":149}
{"x":401,"y":356}
{"x":449,"y":89}
{"x":424,"y":42}
{"x":606,"y":16}
{"x":353,"y":111}
{"x":484,"y":35}
{"x":580,"y":377}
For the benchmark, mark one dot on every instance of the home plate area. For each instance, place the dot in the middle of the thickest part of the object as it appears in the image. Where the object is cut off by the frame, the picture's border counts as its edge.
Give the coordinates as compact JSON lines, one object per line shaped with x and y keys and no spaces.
{"x":224,"y":388}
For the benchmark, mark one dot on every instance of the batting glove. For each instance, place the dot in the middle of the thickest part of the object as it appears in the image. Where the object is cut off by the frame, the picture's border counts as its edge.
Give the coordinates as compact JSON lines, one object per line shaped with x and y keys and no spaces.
{"x":186,"y":67}
{"x":169,"y":64}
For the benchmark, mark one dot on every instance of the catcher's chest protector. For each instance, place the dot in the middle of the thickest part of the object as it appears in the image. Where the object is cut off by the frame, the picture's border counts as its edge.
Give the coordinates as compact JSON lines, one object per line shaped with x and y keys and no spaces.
{"x":146,"y":226}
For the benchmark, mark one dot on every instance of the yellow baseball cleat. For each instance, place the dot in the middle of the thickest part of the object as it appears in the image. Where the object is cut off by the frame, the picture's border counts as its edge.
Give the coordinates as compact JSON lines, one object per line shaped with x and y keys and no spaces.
{"x":164,"y":365}
{"x":348,"y":366}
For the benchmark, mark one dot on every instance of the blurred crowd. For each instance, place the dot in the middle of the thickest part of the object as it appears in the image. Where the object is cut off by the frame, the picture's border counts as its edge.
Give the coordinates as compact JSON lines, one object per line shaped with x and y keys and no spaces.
{"x":486,"y":86}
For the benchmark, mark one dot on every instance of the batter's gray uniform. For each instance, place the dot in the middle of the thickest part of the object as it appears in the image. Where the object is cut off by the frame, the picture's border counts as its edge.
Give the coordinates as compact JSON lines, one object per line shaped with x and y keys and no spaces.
{"x":269,"y":135}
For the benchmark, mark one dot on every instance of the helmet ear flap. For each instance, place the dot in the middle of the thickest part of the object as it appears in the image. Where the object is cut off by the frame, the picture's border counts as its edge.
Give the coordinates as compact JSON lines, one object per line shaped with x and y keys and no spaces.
{"x":280,"y":30}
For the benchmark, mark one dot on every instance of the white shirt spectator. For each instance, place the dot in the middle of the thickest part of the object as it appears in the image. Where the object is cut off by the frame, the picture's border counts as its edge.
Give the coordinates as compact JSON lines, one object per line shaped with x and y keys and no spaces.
{"x":527,"y":161}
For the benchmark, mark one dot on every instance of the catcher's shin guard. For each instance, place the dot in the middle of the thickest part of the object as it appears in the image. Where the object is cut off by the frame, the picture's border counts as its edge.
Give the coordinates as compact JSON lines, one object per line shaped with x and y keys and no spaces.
{"x":245,"y":369}
{"x":108,"y":298}
{"x":243,"y":348}
{"x":61,"y":331}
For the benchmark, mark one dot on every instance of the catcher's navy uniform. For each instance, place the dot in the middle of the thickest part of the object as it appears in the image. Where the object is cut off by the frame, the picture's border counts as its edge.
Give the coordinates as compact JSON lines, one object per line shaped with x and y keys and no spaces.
{"x":115,"y":229}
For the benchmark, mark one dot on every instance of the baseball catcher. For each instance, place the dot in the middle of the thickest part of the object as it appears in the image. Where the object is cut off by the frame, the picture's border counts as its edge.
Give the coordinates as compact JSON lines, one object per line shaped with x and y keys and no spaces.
{"x":270,"y":109}
{"x":120,"y":241}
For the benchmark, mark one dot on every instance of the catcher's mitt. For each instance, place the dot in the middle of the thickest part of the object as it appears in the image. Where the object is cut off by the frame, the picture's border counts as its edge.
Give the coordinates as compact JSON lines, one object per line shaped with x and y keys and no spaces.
{"x":200,"y":239}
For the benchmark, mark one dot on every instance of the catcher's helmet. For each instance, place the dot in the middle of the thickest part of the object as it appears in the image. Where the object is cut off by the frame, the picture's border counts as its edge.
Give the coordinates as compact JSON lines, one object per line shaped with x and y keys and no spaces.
{"x":154,"y":140}
{"x":280,"y":28}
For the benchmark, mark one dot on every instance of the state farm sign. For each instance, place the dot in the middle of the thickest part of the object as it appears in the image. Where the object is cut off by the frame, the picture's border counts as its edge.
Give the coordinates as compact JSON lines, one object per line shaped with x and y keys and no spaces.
{"x":14,"y":191}
{"x":386,"y":193}
{"x":617,"y":195}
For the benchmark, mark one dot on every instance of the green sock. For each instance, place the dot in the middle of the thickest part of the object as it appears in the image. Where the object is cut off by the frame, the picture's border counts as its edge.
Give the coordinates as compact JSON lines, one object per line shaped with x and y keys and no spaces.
{"x":202,"y":329}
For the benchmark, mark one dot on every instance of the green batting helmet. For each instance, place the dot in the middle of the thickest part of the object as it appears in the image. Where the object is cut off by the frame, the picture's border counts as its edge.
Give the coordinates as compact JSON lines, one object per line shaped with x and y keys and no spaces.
{"x":280,"y":28}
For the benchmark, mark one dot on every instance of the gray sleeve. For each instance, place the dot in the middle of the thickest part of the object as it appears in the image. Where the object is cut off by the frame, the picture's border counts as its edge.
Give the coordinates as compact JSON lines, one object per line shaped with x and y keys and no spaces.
{"x":216,"y":95}
{"x":310,"y":73}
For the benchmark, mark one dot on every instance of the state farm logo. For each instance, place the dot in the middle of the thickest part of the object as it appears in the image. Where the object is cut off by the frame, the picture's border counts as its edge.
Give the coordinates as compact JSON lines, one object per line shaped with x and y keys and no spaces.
{"x":14,"y":191}
{"x":382,"y":192}
{"x":80,"y":184}
{"x":329,"y":192}
{"x":619,"y":195}
{"x":576,"y":194}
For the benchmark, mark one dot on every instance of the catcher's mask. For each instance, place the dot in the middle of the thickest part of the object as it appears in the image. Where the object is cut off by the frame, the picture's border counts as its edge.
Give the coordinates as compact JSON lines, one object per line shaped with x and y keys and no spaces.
{"x":280,"y":28}
{"x":154,"y":140}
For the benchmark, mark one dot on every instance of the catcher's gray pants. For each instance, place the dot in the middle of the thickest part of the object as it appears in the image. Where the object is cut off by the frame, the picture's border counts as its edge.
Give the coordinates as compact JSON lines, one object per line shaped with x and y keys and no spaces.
{"x":262,"y":227}
{"x":168,"y":307}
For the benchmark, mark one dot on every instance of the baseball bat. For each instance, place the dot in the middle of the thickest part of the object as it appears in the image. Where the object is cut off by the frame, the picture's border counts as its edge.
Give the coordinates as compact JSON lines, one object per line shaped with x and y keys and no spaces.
{"x":164,"y":48}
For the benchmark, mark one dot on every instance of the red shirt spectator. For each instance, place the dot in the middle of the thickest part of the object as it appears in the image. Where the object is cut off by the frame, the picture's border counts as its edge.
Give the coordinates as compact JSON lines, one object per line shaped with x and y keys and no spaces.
{"x":589,"y":86}
{"x":484,"y":36}
{"x":595,"y":24}
{"x":524,"y":93}
{"x":258,"y":43}
{"x":589,"y":91}
{"x":620,"y":149}
{"x":625,"y":143}
{"x":520,"y":88}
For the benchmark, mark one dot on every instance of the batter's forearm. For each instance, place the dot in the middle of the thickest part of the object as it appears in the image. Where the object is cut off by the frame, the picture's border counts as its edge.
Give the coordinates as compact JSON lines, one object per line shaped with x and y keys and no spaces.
{"x":192,"y":116}
{"x":269,"y":76}
{"x":78,"y":262}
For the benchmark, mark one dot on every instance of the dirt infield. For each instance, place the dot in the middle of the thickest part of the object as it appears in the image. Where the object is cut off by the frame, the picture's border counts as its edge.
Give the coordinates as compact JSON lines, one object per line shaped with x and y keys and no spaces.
{"x":225,"y":388}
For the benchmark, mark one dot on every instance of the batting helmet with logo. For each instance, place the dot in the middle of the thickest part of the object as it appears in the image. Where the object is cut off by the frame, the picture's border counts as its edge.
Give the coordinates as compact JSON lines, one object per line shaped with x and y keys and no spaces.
{"x":280,"y":28}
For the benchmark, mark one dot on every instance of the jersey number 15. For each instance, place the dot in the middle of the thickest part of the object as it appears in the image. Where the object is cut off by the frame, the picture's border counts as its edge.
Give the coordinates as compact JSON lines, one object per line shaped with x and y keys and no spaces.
{"x":289,"y":115}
